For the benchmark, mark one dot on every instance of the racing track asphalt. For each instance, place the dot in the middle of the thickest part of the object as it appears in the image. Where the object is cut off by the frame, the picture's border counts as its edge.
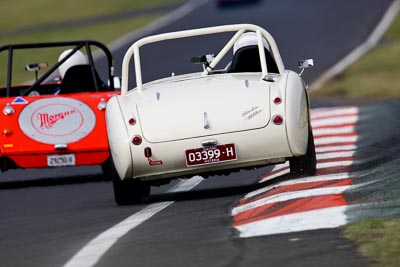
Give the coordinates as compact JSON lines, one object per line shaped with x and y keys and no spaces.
{"x":47,"y":226}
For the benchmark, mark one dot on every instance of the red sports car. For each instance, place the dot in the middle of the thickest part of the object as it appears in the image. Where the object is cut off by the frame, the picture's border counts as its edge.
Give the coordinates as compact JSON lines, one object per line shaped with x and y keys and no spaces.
{"x":53,"y":98}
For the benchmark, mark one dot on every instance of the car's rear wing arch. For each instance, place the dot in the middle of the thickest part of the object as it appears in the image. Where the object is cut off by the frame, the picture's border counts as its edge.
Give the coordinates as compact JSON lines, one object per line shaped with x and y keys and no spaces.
{"x":238,"y":28}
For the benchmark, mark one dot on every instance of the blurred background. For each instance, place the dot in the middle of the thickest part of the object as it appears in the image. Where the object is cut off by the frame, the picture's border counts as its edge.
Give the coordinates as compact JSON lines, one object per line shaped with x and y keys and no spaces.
{"x":107,"y":21}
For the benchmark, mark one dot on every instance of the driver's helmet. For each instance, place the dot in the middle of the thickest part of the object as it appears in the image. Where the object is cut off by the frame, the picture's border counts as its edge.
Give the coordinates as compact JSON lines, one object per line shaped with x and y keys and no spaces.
{"x":78,"y":58}
{"x":248,"y":39}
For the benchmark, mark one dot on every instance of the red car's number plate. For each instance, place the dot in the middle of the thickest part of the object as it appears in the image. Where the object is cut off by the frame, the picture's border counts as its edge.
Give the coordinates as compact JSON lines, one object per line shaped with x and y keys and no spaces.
{"x":61,"y":160}
{"x":209,"y":155}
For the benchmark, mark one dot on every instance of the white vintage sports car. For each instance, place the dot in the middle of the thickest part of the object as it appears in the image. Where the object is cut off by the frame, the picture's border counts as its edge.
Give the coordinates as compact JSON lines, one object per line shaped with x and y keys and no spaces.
{"x":251,"y":113}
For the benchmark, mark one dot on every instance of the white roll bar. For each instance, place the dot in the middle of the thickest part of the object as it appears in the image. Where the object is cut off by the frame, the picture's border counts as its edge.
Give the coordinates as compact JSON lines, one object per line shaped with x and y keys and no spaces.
{"x":240,"y":28}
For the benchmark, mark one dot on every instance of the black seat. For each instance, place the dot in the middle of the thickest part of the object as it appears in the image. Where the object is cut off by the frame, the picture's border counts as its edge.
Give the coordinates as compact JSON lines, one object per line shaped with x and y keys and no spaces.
{"x":247,"y":59}
{"x":79,"y":78}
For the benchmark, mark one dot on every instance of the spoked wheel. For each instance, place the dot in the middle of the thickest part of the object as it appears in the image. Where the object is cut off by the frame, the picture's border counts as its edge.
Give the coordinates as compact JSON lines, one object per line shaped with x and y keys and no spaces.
{"x":129,"y":191}
{"x":305,"y":165}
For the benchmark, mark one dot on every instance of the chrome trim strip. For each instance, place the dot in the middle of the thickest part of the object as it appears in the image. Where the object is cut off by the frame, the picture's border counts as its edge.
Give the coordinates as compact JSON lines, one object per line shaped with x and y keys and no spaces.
{"x":209,"y":142}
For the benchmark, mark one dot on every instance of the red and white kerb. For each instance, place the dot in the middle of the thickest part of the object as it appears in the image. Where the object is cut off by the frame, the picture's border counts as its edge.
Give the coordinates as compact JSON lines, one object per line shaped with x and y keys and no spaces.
{"x":310,"y":202}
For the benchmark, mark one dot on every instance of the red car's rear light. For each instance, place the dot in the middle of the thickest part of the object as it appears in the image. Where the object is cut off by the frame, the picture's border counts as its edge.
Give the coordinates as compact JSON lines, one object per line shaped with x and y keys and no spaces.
{"x":7,"y":131}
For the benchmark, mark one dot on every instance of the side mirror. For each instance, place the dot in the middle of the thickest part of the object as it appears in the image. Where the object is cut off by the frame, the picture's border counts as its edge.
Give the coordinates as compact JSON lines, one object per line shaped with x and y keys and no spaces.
{"x":36,"y":67}
{"x":205,"y":60}
{"x":198,"y":59}
{"x":307,"y":63}
{"x":117,"y":83}
{"x":304,"y":64}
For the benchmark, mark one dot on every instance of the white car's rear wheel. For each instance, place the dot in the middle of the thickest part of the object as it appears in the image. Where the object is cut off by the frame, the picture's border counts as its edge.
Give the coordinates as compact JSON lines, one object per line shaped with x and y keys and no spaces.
{"x":128,"y":191}
{"x":305,"y":165}
{"x":106,"y":168}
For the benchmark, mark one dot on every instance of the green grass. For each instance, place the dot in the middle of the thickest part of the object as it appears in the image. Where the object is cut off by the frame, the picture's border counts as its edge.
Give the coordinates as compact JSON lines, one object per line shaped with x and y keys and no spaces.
{"x":393,"y":33}
{"x":21,"y":14}
{"x":103,"y":32}
{"x":375,"y":75}
{"x":378,"y":239}
{"x":38,"y":12}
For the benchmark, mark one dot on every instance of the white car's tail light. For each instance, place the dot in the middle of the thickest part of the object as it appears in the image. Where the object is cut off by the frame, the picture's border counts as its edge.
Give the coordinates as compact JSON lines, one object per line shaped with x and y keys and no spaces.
{"x":277,"y":100}
{"x":132,"y":121}
{"x":136,"y":140}
{"x":277,"y":119}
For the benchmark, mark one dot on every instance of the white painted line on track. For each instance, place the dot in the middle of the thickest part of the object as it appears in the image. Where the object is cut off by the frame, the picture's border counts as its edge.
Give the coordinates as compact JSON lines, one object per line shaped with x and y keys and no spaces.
{"x":336,"y":111}
{"x":335,"y":139}
{"x":333,"y":130}
{"x":289,"y":196}
{"x":362,"y":49}
{"x":334,"y":121}
{"x":296,"y":222}
{"x":90,"y":254}
{"x":333,"y":155}
{"x":324,"y":149}
{"x":320,"y":178}
{"x":335,"y":164}
{"x":280,"y":166}
{"x":272,"y":176}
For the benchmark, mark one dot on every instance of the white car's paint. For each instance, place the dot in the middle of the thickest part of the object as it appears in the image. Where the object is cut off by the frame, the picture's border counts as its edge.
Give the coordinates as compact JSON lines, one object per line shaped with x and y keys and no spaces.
{"x":120,"y":140}
{"x":296,"y":114}
{"x":227,"y":112}
{"x":178,"y":113}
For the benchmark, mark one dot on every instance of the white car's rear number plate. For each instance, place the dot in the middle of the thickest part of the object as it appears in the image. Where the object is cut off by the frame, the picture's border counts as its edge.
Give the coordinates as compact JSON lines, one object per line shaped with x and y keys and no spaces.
{"x":61,"y":160}
{"x":209,"y":155}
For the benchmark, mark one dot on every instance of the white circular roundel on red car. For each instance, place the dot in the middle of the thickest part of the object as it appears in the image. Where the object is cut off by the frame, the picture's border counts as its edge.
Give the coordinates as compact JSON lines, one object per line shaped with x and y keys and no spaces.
{"x":57,"y":120}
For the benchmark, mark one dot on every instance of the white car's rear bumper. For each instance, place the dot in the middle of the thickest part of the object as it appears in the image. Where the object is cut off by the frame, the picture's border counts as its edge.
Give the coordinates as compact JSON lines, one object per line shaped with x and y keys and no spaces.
{"x":253,"y":148}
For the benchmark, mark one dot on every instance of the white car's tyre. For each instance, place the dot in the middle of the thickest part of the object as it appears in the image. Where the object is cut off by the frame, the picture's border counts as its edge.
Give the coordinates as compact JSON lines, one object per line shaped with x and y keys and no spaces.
{"x":305,"y":165}
{"x":128,"y":191}
{"x":106,"y":168}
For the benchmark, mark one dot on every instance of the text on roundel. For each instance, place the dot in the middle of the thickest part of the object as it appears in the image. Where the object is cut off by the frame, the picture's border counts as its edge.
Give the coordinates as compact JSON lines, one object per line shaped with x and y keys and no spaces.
{"x":47,"y":120}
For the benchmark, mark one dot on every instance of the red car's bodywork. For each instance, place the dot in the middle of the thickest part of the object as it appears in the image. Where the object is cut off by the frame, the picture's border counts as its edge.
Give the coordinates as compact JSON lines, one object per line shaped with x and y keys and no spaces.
{"x":55,"y":129}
